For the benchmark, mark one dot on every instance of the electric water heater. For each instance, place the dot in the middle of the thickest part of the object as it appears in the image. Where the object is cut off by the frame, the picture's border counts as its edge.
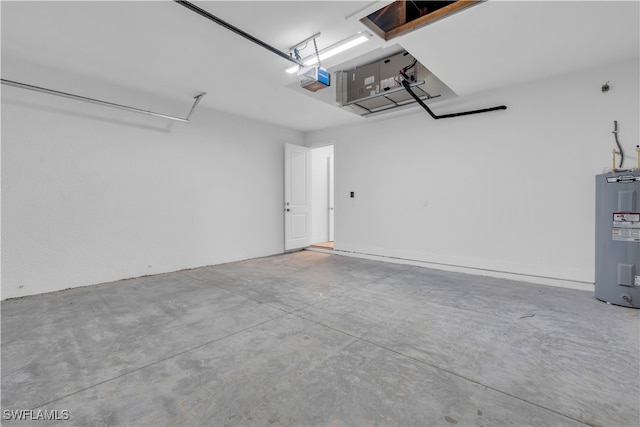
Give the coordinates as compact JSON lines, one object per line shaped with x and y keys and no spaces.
{"x":618,"y":238}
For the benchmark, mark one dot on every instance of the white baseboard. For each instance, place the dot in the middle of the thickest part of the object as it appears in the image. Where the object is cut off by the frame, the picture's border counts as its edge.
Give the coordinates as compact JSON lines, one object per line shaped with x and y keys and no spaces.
{"x":541,"y":280}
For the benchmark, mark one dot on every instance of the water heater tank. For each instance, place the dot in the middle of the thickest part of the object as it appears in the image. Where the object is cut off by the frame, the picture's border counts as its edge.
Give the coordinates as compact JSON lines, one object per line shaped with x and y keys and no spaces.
{"x":618,"y":238}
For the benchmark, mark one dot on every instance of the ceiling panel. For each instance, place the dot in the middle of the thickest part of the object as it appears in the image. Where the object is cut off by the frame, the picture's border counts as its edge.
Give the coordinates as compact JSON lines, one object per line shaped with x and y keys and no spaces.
{"x":162,"y":48}
{"x":501,"y":43}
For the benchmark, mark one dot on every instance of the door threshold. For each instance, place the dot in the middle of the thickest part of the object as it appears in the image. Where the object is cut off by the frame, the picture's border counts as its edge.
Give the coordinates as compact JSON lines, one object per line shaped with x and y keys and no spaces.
{"x":323,"y":245}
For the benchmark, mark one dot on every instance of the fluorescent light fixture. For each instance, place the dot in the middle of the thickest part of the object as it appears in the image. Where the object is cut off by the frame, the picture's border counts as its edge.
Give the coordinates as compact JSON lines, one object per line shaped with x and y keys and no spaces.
{"x":334,"y":49}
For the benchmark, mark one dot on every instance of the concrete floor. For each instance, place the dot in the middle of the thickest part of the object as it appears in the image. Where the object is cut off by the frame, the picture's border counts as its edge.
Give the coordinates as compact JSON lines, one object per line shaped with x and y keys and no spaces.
{"x":310,"y":338}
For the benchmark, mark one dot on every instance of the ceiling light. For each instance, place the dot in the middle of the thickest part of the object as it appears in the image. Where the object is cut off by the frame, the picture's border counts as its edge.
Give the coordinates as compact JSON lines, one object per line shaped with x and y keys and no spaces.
{"x":334,"y":49}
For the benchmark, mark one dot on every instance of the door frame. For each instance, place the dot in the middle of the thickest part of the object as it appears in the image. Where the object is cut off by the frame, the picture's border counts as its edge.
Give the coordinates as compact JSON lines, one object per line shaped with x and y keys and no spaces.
{"x":328,"y":166}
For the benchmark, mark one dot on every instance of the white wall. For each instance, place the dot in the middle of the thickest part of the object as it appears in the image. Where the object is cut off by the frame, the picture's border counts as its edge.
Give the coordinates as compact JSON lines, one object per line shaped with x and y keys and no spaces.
{"x":320,"y":193}
{"x":92,"y":194}
{"x":507,"y":191}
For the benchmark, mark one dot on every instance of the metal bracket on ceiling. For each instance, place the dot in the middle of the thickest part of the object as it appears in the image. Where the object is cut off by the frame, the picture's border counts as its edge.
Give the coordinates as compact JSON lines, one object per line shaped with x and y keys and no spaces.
{"x":304,"y":42}
{"x":196,"y":101}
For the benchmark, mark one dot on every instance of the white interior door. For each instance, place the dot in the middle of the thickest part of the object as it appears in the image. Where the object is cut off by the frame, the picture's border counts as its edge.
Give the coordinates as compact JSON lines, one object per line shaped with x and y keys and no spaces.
{"x":331,"y":200}
{"x":297,"y":201}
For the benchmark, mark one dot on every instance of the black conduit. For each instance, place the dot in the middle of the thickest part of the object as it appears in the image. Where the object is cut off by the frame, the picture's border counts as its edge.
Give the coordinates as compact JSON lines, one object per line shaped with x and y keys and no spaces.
{"x":407,"y":87}
{"x":237,"y":30}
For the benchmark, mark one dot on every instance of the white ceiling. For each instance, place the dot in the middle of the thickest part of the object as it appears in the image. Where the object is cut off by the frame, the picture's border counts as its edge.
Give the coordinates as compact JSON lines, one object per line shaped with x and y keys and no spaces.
{"x":162,"y":48}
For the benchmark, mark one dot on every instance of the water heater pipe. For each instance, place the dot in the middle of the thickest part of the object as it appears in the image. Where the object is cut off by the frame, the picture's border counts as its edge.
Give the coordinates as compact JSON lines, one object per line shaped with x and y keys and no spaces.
{"x":615,"y":134}
{"x":614,"y":152}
